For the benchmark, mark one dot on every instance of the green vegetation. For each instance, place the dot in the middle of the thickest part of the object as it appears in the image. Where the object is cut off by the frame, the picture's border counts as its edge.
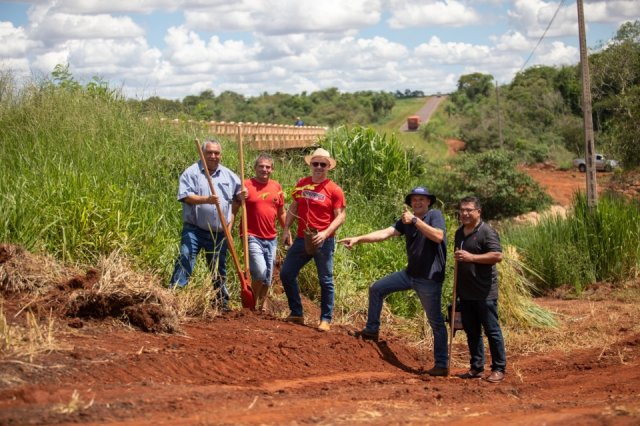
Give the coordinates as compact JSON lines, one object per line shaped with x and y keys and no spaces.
{"x":85,"y":176}
{"x":586,"y":246}
{"x":539,"y":113}
{"x":323,"y":108}
{"x":492,"y":176}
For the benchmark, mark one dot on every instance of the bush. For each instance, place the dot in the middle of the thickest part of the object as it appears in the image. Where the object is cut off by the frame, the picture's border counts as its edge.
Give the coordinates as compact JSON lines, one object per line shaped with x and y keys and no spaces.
{"x":369,"y":163}
{"x":492,"y":176}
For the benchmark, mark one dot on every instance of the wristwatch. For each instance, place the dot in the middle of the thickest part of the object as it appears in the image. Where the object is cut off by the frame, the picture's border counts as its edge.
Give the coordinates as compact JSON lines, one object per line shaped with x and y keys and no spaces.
{"x":414,"y":220}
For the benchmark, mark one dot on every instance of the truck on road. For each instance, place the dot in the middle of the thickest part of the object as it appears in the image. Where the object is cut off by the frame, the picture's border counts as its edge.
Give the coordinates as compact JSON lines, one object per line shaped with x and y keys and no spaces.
{"x":603,"y":164}
{"x":413,"y":122}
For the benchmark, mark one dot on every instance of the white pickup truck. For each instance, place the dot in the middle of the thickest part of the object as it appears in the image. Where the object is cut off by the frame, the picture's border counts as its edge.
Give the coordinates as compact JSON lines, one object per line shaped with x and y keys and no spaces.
{"x":602,"y":164}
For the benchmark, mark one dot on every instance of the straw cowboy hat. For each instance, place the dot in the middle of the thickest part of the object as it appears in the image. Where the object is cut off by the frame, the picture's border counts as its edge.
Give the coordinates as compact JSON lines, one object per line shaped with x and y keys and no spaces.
{"x":321,"y":153}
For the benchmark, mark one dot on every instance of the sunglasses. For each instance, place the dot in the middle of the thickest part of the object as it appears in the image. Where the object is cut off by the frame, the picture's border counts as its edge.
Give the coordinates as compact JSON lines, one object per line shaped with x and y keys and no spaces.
{"x":318,"y":164}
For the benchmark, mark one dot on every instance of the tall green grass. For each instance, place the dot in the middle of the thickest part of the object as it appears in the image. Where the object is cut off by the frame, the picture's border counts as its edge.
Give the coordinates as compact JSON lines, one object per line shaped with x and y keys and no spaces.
{"x":85,"y":175}
{"x":585,"y":247}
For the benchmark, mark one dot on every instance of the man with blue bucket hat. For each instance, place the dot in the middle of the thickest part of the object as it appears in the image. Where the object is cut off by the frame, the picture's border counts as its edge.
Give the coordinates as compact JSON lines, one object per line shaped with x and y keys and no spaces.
{"x":425,"y":237}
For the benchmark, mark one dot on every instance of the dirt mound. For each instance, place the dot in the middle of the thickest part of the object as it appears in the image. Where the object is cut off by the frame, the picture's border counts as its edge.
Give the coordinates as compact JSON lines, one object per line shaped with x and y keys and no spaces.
{"x":113,"y":291}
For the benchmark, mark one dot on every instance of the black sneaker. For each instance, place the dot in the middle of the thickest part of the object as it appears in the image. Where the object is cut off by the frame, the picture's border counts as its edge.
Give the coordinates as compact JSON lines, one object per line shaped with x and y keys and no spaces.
{"x":365,"y":334}
{"x":438,"y":371}
{"x":471,"y":374}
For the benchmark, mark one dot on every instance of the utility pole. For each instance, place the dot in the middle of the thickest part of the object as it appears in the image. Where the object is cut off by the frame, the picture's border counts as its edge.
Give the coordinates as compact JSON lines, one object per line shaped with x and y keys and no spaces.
{"x":589,"y":146}
{"x":499,"y":117}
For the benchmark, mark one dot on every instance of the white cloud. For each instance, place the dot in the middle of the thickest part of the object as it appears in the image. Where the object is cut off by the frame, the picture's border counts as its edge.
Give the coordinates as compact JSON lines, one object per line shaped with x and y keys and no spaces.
{"x":614,"y":11}
{"x":256,"y":46}
{"x":435,"y":51}
{"x":420,"y":13}
{"x":13,"y":41}
{"x":512,"y":41}
{"x":17,"y":65}
{"x":558,"y":53}
{"x":285,"y":16}
{"x":102,"y":6}
{"x":58,"y":27}
{"x":532,"y":17}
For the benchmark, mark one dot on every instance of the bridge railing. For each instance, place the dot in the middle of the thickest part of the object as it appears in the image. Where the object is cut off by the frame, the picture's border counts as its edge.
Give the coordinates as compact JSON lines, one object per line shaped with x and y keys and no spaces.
{"x":264,"y":136}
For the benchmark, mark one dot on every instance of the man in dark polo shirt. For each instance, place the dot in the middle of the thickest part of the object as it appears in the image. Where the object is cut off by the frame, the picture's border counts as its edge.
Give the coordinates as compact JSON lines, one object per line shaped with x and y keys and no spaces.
{"x":477,"y":250}
{"x":426,"y":244}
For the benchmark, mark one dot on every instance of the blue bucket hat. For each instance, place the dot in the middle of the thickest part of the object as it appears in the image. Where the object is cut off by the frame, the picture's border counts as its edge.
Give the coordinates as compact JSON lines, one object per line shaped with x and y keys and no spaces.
{"x":419,"y":190}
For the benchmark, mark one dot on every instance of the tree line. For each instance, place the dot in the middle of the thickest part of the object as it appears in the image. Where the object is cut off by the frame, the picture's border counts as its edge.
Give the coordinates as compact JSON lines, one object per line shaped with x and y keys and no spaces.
{"x":540,"y":110}
{"x":326,"y":107}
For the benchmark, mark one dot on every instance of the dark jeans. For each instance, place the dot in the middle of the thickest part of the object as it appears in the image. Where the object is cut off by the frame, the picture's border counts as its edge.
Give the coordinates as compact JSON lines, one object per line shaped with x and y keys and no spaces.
{"x":192,"y":240}
{"x":294,"y":261}
{"x":478,"y":315}
{"x":430,"y":294}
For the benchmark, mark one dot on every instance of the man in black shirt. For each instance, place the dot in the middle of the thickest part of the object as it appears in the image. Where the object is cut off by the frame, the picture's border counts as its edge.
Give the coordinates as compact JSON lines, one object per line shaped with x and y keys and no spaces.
{"x":477,"y":250}
{"x":425,"y":241}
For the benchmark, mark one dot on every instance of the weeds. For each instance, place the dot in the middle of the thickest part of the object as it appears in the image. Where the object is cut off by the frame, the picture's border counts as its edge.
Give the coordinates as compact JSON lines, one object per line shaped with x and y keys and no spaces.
{"x":585,"y":246}
{"x":27,"y":341}
{"x":74,"y":405}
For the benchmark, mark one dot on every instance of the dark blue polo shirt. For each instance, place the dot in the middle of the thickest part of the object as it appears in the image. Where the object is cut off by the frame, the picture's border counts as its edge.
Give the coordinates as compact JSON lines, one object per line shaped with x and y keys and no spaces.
{"x":427,"y":259}
{"x":478,"y":281}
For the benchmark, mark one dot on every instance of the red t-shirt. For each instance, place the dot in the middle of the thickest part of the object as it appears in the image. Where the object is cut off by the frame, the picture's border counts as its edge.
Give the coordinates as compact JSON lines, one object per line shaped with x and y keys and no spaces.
{"x":262,"y":205}
{"x":316,"y":203}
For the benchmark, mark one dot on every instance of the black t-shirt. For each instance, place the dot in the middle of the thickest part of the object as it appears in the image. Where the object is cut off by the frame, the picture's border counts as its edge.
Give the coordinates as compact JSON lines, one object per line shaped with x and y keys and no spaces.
{"x":427,"y":259}
{"x":477,"y":281}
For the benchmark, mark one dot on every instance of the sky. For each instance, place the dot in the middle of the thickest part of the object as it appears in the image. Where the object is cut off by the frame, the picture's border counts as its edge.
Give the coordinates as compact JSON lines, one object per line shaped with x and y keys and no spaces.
{"x":176,"y":48}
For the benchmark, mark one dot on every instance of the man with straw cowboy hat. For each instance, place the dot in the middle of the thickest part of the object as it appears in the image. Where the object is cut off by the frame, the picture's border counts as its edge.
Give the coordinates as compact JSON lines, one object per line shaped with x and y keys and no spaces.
{"x":320,"y":208}
{"x":202,"y":228}
{"x":424,"y":230}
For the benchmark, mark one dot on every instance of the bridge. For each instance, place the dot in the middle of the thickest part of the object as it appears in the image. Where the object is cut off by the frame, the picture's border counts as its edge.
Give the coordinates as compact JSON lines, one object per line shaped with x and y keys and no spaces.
{"x":262,"y":136}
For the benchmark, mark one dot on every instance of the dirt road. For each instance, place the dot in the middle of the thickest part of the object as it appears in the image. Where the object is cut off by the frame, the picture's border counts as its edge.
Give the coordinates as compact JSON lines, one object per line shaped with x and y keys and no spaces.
{"x":426,"y":111}
{"x":561,"y":185}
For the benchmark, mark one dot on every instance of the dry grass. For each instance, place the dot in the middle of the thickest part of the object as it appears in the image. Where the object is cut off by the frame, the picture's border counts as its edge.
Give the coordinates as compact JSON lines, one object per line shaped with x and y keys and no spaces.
{"x":74,"y":405}
{"x":26,"y":272}
{"x":29,"y":340}
{"x":583,"y":323}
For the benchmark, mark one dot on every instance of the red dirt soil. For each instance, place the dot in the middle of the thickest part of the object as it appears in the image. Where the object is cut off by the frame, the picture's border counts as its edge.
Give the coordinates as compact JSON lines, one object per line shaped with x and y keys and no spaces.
{"x":252,"y":368}
{"x":561,"y":185}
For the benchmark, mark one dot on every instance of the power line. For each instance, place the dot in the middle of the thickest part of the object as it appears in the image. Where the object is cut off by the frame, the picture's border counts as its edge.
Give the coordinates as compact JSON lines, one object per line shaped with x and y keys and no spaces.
{"x":543,"y":34}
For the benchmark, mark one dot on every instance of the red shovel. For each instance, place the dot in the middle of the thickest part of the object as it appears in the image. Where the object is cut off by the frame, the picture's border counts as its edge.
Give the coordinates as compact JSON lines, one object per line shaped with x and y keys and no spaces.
{"x":246,"y":295}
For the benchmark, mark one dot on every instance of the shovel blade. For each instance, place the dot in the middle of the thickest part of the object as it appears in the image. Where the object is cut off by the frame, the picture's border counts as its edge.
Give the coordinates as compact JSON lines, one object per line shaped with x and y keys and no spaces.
{"x":246,"y":295}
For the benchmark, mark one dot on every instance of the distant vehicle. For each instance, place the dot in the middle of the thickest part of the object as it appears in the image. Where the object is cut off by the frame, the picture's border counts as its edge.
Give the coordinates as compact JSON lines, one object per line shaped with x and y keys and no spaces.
{"x":602,"y":164}
{"x":413,"y":122}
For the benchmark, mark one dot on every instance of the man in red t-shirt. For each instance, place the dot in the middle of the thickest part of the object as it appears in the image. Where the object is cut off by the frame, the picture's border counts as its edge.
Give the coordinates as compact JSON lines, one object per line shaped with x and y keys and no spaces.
{"x":265,"y":205}
{"x":320,"y":207}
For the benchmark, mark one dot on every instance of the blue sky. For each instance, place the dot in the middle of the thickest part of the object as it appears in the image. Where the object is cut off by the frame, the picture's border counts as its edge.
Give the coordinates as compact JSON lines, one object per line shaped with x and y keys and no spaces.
{"x":175,"y":48}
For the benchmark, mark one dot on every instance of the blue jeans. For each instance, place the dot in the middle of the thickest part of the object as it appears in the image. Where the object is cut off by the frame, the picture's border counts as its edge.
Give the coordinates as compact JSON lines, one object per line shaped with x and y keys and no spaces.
{"x":294,"y":261}
{"x":477,"y":314}
{"x":192,"y":240}
{"x":262,"y":254}
{"x":430,"y":294}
